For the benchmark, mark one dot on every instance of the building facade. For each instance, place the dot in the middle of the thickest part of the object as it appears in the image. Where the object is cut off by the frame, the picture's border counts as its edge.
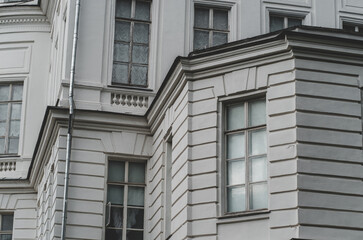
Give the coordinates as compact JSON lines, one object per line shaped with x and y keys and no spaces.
{"x":194,"y":119}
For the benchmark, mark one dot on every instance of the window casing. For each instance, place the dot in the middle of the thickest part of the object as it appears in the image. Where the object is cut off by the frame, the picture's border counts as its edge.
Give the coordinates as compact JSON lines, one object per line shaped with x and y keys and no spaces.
{"x":278,"y":22}
{"x":211,"y":27}
{"x":125,"y":200}
{"x":352,"y":27}
{"x":131,"y":43}
{"x":10,"y":117}
{"x":245,"y":156}
{"x":6,"y":231}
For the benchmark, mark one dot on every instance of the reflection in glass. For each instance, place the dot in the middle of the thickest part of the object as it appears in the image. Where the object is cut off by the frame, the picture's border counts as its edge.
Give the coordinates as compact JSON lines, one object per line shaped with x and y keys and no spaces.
{"x":236,"y":172}
{"x":236,"y":199}
{"x":258,"y":196}
{"x":258,"y":169}
{"x":116,"y":171}
{"x":115,"y":194}
{"x":135,"y":196}
{"x":257,"y":113}
{"x":257,"y":142}
{"x":235,"y":145}
{"x":235,"y":116}
{"x":135,"y":218}
{"x":136,"y":172}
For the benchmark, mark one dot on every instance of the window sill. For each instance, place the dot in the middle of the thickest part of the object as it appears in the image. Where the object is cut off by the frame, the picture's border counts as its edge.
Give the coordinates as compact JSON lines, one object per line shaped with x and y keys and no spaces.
{"x":9,"y":156}
{"x":146,"y":89}
{"x":244,"y":216}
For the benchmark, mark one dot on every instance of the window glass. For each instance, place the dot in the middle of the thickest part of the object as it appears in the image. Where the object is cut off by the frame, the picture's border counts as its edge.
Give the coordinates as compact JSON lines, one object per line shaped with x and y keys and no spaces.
{"x":276,"y":23}
{"x":245,"y":155}
{"x":294,"y":22}
{"x":7,"y":222}
{"x":219,"y":38}
{"x":220,"y":20}
{"x":142,"y":10}
{"x":201,"y":18}
{"x":4,"y":92}
{"x":116,"y":171}
{"x":201,"y":39}
{"x":115,"y":194}
{"x":137,"y":172}
{"x":123,"y":8}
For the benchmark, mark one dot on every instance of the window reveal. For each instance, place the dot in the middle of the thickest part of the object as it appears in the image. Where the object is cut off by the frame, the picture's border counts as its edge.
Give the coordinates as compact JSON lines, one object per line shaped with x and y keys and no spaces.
{"x":125,"y":200}
{"x":245,"y":154}
{"x":10,"y":116}
{"x":210,"y":27}
{"x":131,"y":43}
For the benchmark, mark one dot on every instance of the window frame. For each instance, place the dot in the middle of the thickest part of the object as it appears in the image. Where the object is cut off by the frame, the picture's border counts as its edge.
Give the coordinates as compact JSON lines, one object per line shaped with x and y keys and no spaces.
{"x":211,"y":29}
{"x":132,"y":21}
{"x":286,"y":20}
{"x":224,"y":103}
{"x":8,"y":118}
{"x":126,"y":184}
{"x":6,"y":232}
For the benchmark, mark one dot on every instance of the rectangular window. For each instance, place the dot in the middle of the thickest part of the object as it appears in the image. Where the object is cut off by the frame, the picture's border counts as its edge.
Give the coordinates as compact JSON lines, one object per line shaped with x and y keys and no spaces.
{"x":131,"y":43}
{"x":211,"y":27}
{"x":10,"y":116}
{"x":125,"y":200}
{"x":280,"y":22}
{"x":351,"y":27}
{"x":6,"y":231}
{"x":246,"y":156}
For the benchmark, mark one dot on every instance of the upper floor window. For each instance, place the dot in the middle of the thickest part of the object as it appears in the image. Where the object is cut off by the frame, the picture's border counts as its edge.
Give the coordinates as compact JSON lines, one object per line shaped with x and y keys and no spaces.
{"x":125,"y":200}
{"x":352,"y":27}
{"x":211,"y":27}
{"x":6,"y":231}
{"x":131,"y":43}
{"x":10,"y":116}
{"x":280,"y":22}
{"x":246,"y":156}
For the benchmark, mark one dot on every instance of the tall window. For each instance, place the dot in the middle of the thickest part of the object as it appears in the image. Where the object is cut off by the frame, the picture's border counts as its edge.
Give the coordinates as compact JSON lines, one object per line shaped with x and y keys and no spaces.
{"x":125,"y":200}
{"x":352,"y":27}
{"x":131,"y":43}
{"x":279,"y":22}
{"x":10,"y":115}
{"x":6,"y":231}
{"x":245,"y":154}
{"x":210,"y":27}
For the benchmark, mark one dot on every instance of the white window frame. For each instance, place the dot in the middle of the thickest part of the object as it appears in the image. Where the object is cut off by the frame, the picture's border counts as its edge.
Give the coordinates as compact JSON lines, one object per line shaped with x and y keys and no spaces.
{"x":302,"y":12}
{"x":229,"y":6}
{"x":223,"y":103}
{"x":16,"y":81}
{"x":130,"y":159}
{"x":3,"y":3}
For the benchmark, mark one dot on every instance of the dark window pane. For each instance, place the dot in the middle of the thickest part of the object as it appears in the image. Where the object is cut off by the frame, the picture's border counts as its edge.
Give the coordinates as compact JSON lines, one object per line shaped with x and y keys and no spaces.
{"x":135,"y":218}
{"x":219,"y":38}
{"x":120,"y":73}
{"x":6,"y":237}
{"x":14,"y":128}
{"x":115,"y":194}
{"x":276,"y":23}
{"x":140,"y":54}
{"x":220,"y":20}
{"x":7,"y":222}
{"x":135,"y":196}
{"x":113,"y":234}
{"x":122,"y":31}
{"x":121,"y":52}
{"x":201,"y":18}
{"x":17,"y":93}
{"x":141,"y":33}
{"x":123,"y":8}
{"x":116,"y":171}
{"x":142,"y":11}
{"x":13,"y":145}
{"x":201,"y":39}
{"x":3,"y":111}
{"x":116,"y":217}
{"x":294,"y":22}
{"x":360,"y":29}
{"x":139,"y":75}
{"x":134,"y":235}
{"x":4,"y":93}
{"x":349,"y":27}
{"x":136,"y":172}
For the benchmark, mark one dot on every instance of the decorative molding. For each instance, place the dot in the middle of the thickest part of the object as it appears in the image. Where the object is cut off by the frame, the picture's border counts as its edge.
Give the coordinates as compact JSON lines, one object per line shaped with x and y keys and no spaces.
{"x":24,"y":20}
{"x":8,"y":166}
{"x":129,"y":100}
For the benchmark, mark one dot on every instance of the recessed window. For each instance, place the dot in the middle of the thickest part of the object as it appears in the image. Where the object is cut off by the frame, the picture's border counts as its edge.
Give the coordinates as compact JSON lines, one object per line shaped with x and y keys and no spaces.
{"x":125,"y":200}
{"x":246,"y":156}
{"x":211,"y":27}
{"x":351,"y":27}
{"x":10,"y":116}
{"x":280,"y":22}
{"x":131,"y":43}
{"x":6,"y":231}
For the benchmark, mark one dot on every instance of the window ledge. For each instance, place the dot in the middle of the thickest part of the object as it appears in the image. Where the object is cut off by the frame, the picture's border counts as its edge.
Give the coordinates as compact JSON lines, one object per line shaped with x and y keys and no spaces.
{"x":130,"y":88}
{"x":244,"y":216}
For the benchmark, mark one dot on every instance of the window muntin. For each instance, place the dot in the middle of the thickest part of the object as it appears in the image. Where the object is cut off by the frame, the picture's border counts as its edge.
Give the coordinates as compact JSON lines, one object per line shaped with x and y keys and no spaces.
{"x":246,"y":156}
{"x":131,"y":43}
{"x":280,"y":22}
{"x":6,"y":226}
{"x":352,"y":27}
{"x":211,"y":27}
{"x":10,"y":116}
{"x":125,"y":200}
